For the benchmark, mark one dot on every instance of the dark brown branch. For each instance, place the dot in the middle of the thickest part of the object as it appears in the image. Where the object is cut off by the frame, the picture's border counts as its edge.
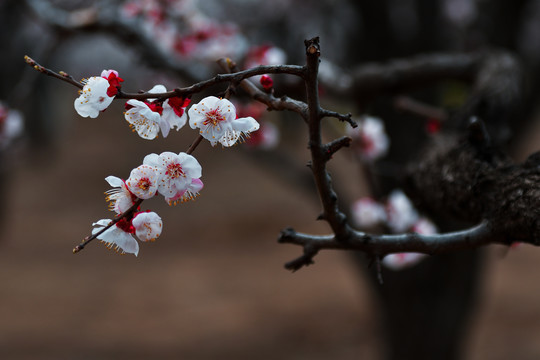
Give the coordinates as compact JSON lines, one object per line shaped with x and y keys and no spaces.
{"x":62,"y":75}
{"x":334,"y":146}
{"x":235,"y":77}
{"x":345,"y":118}
{"x":335,"y":218}
{"x":273,"y":103}
{"x":381,"y":245}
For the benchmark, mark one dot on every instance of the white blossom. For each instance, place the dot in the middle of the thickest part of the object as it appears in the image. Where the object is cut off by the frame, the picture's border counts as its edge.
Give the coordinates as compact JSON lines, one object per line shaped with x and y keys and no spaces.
{"x":216,"y":119}
{"x":372,"y":138}
{"x":402,"y":260}
{"x":366,"y":212}
{"x":145,"y":122}
{"x":143,"y":181}
{"x":175,"y":171}
{"x":93,"y":97}
{"x":400,"y":212}
{"x":190,"y":193}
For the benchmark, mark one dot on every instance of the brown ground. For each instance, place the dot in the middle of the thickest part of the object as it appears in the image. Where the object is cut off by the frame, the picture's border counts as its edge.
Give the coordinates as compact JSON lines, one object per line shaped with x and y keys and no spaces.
{"x":213,"y":286}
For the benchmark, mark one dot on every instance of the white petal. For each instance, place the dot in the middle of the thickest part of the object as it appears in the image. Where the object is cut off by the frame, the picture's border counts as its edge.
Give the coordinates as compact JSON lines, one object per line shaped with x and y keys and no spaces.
{"x":245,"y":125}
{"x":152,"y":160}
{"x":157,"y":89}
{"x":145,"y":121}
{"x":175,"y":122}
{"x":114,"y":181}
{"x":230,"y":138}
{"x":190,"y":165}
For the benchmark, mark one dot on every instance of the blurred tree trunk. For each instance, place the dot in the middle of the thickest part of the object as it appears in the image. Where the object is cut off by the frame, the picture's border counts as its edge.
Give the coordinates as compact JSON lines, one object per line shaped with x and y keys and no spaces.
{"x":425,"y":310}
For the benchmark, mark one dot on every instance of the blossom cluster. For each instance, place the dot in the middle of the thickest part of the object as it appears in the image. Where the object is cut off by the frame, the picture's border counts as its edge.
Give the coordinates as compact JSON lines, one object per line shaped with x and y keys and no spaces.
{"x":174,"y":176}
{"x":399,"y":215}
{"x":215,"y":118}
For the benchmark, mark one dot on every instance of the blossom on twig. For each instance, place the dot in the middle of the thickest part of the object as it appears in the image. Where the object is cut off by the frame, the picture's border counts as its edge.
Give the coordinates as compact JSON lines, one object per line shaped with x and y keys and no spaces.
{"x":93,"y":97}
{"x":143,"y":181}
{"x":175,"y":171}
{"x":119,"y":197}
{"x":148,"y":225}
{"x":216,"y":119}
{"x":145,"y":225}
{"x":149,"y":117}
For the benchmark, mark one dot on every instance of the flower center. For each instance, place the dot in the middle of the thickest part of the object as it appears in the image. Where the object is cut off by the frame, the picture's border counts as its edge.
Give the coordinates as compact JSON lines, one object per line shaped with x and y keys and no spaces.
{"x":213,"y":117}
{"x":174,"y":171}
{"x":144,"y":183}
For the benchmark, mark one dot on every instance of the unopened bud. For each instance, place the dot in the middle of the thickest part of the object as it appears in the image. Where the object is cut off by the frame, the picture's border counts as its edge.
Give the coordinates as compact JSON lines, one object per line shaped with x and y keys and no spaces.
{"x":267,"y":82}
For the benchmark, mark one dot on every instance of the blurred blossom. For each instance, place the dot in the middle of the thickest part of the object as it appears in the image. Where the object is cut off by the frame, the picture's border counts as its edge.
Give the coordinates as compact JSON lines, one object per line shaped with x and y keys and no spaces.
{"x":400,"y":212}
{"x":11,"y":125}
{"x":366,"y":212}
{"x":403,"y":217}
{"x":181,"y":29}
{"x":371,"y":137}
{"x":402,"y":260}
{"x":424,"y":226}
{"x":460,"y":12}
{"x":266,"y":138}
{"x":264,"y":55}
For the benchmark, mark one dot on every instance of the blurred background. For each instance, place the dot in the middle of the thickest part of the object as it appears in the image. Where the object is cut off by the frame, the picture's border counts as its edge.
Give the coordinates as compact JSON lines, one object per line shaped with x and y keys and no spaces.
{"x":213,"y":285}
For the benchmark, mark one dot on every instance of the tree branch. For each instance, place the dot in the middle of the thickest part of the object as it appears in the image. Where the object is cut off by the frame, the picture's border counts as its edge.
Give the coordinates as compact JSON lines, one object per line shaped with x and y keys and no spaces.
{"x":381,"y":245}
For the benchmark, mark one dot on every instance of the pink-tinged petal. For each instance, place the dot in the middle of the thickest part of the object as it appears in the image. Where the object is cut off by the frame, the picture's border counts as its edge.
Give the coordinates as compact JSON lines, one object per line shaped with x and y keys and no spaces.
{"x":106,"y":73}
{"x":196,"y":185}
{"x":189,"y":193}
